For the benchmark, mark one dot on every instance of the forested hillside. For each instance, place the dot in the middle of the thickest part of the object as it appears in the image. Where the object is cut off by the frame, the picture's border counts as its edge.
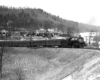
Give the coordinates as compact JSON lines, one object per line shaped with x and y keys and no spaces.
{"x":32,"y":19}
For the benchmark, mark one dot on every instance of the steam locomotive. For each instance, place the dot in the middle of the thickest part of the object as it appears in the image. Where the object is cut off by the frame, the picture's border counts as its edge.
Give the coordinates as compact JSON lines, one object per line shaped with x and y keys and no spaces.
{"x":69,"y":42}
{"x":72,"y":42}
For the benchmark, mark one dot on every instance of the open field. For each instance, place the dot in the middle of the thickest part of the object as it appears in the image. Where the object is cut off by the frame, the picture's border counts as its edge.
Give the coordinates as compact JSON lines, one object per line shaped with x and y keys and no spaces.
{"x":50,"y":64}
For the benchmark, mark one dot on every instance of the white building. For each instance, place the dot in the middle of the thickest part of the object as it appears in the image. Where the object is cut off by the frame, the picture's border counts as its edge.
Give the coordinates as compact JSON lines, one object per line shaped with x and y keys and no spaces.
{"x":88,"y":36}
{"x":40,"y":31}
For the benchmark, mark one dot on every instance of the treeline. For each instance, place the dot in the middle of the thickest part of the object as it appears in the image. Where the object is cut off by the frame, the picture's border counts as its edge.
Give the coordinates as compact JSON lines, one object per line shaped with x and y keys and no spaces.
{"x":21,"y":20}
{"x":32,"y":19}
{"x":24,"y":20}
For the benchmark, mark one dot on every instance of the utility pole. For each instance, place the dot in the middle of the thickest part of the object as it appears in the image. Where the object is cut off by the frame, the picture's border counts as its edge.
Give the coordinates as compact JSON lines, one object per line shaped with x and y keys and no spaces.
{"x":1,"y":55}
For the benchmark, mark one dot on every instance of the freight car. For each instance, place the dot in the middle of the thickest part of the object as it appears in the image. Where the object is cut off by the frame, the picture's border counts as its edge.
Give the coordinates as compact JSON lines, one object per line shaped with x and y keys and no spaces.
{"x":72,"y":42}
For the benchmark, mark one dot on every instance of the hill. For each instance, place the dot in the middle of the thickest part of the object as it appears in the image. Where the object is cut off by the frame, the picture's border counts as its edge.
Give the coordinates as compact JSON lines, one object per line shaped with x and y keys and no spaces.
{"x":87,"y":27}
{"x":32,"y":19}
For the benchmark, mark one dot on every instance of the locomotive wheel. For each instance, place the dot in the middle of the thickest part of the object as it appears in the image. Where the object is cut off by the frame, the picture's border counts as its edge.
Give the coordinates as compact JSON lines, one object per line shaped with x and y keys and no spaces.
{"x":60,"y":46}
{"x":75,"y":45}
{"x":81,"y":45}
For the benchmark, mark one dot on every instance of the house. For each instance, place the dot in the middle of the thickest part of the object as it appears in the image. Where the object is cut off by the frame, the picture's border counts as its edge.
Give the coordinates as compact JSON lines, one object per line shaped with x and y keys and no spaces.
{"x":16,"y":36}
{"x":89,"y":36}
{"x":4,"y":32}
{"x":40,"y":31}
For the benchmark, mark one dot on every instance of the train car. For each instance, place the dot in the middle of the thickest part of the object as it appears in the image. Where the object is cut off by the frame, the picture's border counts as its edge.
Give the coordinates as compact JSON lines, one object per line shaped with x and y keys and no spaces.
{"x":14,"y":43}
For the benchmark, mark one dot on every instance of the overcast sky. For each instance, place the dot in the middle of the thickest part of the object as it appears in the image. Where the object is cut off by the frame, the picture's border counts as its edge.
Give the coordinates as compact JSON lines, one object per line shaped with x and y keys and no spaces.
{"x":85,"y":11}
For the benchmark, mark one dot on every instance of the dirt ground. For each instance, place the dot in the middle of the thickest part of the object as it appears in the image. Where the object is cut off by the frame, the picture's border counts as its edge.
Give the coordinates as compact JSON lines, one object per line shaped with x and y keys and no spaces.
{"x":50,"y":64}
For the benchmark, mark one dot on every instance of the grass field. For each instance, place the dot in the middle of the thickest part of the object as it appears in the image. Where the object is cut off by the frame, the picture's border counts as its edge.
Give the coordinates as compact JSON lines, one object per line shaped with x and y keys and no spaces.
{"x":48,"y":63}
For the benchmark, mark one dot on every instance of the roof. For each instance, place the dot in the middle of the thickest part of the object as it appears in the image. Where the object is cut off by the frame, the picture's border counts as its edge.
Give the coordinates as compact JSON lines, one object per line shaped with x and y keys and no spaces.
{"x":90,"y":33}
{"x":16,"y":34}
{"x":4,"y":30}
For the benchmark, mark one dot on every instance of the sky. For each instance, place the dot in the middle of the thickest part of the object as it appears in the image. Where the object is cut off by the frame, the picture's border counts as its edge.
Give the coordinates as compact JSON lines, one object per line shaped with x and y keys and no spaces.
{"x":84,"y":11}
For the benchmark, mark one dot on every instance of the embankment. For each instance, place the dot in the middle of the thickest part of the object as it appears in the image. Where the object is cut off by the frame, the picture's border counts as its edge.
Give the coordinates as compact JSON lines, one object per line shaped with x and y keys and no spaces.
{"x":49,"y":64}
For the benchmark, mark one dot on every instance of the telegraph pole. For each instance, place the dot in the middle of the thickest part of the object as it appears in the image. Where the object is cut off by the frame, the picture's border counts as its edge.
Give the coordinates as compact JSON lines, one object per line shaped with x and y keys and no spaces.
{"x":1,"y":55}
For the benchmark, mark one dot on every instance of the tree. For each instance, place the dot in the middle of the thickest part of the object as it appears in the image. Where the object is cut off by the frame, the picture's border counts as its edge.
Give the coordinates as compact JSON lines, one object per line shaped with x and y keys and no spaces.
{"x":96,"y":39}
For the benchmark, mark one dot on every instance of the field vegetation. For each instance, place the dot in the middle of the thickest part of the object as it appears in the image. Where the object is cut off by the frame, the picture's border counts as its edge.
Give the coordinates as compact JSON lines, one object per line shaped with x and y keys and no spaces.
{"x":47,"y":63}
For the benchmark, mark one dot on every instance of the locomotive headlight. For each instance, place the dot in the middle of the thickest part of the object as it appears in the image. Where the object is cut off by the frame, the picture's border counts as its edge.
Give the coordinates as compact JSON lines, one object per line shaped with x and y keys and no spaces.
{"x":80,"y":40}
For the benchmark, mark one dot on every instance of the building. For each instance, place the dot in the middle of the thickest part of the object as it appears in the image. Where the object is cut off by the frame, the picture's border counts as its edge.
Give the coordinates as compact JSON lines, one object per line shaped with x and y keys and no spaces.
{"x":16,"y":36}
{"x":89,"y":36}
{"x":40,"y":31}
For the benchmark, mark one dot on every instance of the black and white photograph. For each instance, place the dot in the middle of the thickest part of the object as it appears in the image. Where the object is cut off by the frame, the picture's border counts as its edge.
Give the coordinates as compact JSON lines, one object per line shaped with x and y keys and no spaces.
{"x":49,"y":40}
